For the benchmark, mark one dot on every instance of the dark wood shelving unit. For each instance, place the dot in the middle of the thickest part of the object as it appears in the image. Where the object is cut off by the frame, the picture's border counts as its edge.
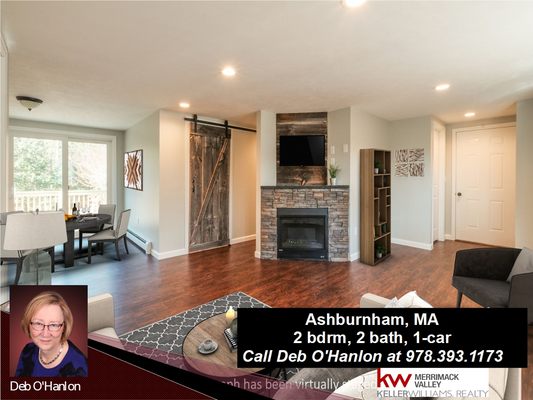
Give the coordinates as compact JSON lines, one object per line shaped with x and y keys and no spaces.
{"x":375,"y":212}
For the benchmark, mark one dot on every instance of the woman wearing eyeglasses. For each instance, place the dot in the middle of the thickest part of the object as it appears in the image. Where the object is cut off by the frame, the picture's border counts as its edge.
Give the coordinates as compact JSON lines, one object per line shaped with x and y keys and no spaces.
{"x":48,"y":321}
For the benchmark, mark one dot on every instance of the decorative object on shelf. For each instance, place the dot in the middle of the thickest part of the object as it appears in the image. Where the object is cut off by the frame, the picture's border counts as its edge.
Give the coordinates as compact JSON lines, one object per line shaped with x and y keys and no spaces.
{"x":409,"y":162}
{"x":133,"y":170}
{"x":333,"y":172}
{"x":230,"y":316}
{"x":377,"y":167}
{"x":31,"y":233}
{"x":380,"y":251}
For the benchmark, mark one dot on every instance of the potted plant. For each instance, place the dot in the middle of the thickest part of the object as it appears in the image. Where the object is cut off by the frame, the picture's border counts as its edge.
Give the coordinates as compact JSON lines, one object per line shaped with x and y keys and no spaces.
{"x":333,"y":171}
{"x":380,"y":251}
{"x":377,"y":166}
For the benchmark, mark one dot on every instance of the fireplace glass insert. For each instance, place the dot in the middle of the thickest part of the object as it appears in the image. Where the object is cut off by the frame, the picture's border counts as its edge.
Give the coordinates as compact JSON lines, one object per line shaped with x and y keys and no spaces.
{"x":303,"y":233}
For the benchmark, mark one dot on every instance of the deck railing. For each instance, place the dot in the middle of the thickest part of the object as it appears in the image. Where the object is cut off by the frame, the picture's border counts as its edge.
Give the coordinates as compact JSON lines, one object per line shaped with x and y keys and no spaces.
{"x":46,"y":200}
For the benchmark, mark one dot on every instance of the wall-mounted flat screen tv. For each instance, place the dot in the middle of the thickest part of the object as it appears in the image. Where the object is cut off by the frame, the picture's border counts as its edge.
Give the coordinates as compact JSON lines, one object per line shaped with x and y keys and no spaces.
{"x":303,"y":150}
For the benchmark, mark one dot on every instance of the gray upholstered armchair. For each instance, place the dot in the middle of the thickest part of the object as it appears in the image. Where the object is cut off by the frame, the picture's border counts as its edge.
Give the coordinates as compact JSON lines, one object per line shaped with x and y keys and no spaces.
{"x":481,"y":275}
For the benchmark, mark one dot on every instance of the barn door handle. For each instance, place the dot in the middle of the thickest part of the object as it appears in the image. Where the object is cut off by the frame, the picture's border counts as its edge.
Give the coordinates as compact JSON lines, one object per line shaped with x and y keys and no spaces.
{"x":193,"y":185}
{"x":459,"y":194}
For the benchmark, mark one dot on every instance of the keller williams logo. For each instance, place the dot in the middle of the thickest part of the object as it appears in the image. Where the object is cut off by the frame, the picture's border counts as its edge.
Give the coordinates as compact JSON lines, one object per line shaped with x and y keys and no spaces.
{"x":382,"y":380}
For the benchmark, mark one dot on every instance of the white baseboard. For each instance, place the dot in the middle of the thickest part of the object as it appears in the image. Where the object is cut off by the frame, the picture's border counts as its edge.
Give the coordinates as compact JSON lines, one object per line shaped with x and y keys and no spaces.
{"x":242,"y":239}
{"x":169,"y":254}
{"x":418,"y":245}
{"x":257,"y":254}
{"x":355,"y":256}
{"x":449,"y":237}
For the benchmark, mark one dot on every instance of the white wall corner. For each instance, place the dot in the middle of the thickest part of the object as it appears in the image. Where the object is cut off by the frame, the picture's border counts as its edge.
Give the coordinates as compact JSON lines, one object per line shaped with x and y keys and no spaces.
{"x":417,"y":245}
{"x":354,"y":256}
{"x":257,"y":254}
{"x":449,"y":237}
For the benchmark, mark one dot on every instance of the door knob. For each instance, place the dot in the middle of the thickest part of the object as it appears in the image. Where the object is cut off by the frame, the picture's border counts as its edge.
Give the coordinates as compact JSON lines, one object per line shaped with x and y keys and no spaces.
{"x":459,"y":194}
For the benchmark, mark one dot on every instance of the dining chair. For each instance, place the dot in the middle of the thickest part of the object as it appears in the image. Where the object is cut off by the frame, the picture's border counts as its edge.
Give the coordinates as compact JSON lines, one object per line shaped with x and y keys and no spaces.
{"x":108,"y":209}
{"x":112,"y":235}
{"x":15,"y":256}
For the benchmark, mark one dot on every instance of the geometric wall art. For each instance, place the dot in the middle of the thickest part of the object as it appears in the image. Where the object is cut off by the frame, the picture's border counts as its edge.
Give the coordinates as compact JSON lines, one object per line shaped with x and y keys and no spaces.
{"x":133,"y":169}
{"x":409,"y":162}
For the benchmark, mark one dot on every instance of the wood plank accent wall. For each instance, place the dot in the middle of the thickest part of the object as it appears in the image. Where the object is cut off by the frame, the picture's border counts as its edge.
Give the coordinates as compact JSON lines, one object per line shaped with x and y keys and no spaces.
{"x":301,"y":124}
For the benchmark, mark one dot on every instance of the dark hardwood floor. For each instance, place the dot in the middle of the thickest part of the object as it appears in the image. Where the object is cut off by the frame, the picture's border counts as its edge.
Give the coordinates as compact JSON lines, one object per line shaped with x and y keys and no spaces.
{"x":146,"y":290}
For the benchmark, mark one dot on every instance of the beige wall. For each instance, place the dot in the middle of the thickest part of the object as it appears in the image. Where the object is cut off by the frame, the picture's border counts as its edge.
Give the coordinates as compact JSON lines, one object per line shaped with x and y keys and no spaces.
{"x":366,"y":132}
{"x":242,"y":185}
{"x":412,"y":196}
{"x":144,"y":220}
{"x":524,"y":173}
{"x":173,"y":184}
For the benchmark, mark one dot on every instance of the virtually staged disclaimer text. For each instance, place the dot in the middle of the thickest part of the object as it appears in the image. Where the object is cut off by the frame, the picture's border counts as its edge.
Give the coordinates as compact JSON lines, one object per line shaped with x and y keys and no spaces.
{"x":460,"y":338}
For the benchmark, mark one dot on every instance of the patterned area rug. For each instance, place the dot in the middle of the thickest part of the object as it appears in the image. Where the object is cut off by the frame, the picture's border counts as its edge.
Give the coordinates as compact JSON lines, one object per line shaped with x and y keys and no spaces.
{"x":168,"y":334}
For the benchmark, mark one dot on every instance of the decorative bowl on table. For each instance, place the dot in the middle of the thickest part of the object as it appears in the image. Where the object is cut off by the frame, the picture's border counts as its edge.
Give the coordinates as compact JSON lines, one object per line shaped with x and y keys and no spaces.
{"x":68,"y":217}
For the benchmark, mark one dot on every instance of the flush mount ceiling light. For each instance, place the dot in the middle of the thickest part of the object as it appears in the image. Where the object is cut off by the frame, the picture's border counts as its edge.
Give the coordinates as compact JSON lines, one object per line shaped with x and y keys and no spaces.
{"x":229,"y":71}
{"x":29,"y":102}
{"x":470,"y":114}
{"x":442,"y":87}
{"x":184,"y":104}
{"x":353,"y":3}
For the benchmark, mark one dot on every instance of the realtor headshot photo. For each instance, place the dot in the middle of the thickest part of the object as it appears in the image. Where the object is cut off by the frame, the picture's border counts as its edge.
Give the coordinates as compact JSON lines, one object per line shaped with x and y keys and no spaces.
{"x":48,"y":331}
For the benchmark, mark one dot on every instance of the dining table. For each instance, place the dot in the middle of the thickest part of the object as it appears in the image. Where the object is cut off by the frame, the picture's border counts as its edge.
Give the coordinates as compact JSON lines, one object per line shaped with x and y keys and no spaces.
{"x":86,"y":221}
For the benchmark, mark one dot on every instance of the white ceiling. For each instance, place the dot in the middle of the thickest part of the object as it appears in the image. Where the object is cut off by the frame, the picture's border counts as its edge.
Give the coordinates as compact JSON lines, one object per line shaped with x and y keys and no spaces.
{"x":110,"y":64}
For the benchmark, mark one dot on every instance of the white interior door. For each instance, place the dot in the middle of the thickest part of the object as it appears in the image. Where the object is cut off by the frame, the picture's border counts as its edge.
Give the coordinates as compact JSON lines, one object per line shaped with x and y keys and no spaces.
{"x":485,"y":186}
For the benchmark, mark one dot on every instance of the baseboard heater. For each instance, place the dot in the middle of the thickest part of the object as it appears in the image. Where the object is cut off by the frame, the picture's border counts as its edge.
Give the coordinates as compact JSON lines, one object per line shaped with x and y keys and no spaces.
{"x":141,"y":242}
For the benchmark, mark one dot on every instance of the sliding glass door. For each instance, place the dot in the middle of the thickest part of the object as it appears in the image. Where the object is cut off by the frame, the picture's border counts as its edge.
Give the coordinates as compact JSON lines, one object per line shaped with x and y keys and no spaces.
{"x":55,"y":173}
{"x":37,"y":173}
{"x":87,"y":175}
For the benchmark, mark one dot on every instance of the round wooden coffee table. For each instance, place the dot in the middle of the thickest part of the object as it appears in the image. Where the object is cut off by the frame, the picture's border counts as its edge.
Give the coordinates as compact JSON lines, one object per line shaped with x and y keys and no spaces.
{"x":223,"y":362}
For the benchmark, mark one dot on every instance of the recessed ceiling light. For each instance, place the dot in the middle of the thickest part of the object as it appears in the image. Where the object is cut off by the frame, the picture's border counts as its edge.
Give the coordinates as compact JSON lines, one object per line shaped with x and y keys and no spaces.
{"x":184,"y":104}
{"x":442,"y":87}
{"x":469,"y":114}
{"x":353,"y":3}
{"x":228,"y":71}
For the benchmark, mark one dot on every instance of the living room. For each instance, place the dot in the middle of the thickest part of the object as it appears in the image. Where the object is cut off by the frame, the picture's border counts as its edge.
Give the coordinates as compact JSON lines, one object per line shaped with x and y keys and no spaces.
{"x":383,"y":96}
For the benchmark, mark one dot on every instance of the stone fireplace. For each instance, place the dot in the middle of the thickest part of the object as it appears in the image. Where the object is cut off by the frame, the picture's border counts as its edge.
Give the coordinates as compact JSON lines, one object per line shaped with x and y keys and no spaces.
{"x":303,"y":233}
{"x":292,"y":218}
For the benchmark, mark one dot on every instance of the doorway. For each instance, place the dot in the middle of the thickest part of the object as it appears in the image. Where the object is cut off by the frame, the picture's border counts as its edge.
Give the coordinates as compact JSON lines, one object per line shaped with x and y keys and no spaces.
{"x":483,"y":187}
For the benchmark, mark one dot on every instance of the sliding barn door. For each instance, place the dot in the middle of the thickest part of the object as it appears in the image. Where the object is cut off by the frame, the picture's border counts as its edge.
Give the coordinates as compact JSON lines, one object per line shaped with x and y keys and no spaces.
{"x":209,"y":174}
